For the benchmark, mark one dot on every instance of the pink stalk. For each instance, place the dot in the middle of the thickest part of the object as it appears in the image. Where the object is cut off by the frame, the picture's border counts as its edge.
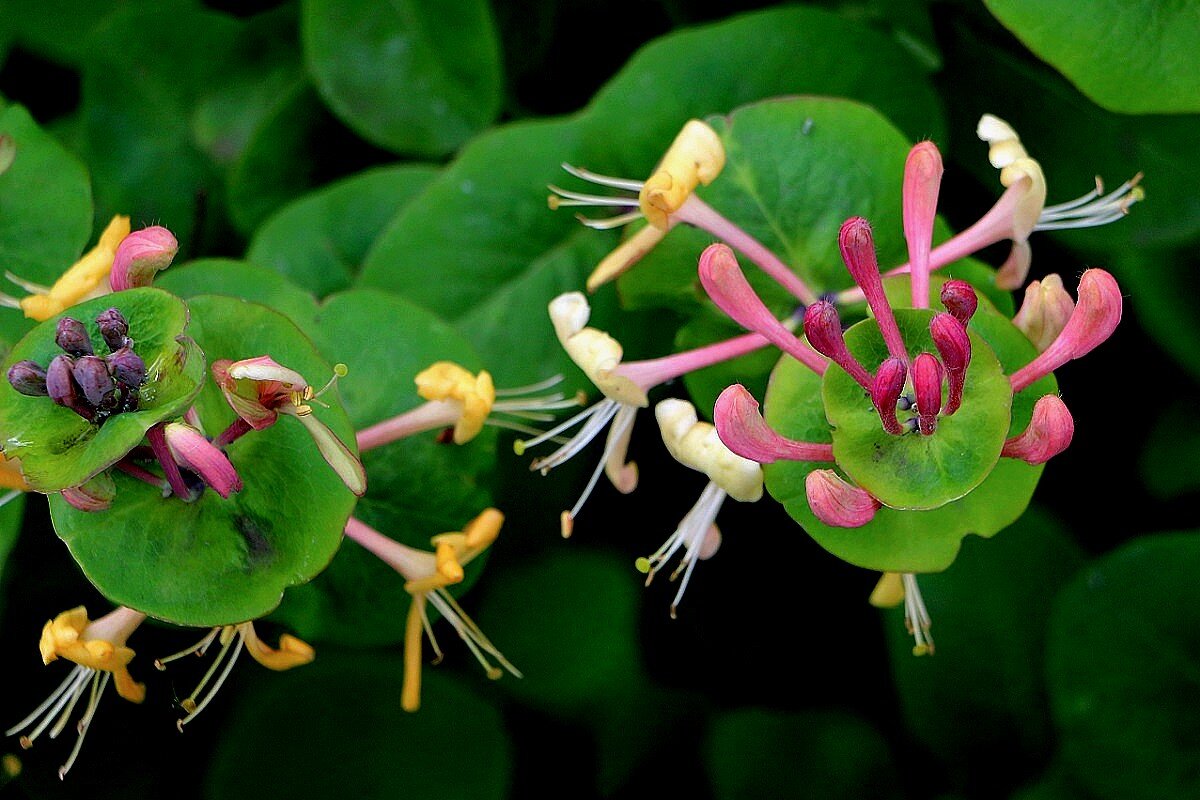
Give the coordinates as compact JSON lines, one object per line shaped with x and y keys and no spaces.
{"x":744,"y":431}
{"x":142,"y":474}
{"x":836,"y":502}
{"x":858,"y":251}
{"x":1049,"y":433}
{"x":1096,"y":315}
{"x":823,"y":328}
{"x":885,"y":393}
{"x":724,"y":282}
{"x":408,"y":561}
{"x":922,"y":178}
{"x":954,"y":346}
{"x":703,"y":216}
{"x":236,"y":430}
{"x":655,"y":371}
{"x":158,"y":443}
{"x":927,"y":386}
{"x":425,"y":417}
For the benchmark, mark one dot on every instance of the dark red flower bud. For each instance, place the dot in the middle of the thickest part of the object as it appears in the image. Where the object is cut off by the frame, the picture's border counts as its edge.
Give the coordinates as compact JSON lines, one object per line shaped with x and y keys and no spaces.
{"x":858,"y":251}
{"x":91,"y":375}
{"x":127,"y":368}
{"x":958,"y":297}
{"x":28,"y":378}
{"x":114,"y":329}
{"x":885,"y":392}
{"x":62,"y":389}
{"x":927,"y":386}
{"x":954,"y":346}
{"x":823,"y":327}
{"x":73,"y":337}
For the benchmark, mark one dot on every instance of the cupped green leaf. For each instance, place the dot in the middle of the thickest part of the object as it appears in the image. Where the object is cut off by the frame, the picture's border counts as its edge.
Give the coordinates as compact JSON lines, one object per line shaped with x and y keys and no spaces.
{"x":1123,"y":670}
{"x":319,"y":241}
{"x":990,"y":610}
{"x":754,"y":753}
{"x":417,"y":487}
{"x":214,"y":561}
{"x":914,"y":471}
{"x":342,"y":715}
{"x":414,"y":76}
{"x":57,"y":447}
{"x":905,"y":541}
{"x":1130,"y":56}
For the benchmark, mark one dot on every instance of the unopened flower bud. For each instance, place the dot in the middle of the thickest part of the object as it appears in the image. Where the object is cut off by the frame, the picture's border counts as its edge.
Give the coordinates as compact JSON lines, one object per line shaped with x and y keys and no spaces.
{"x":127,"y":367}
{"x":28,"y":378}
{"x":94,"y":495}
{"x":823,"y":327}
{"x":743,"y":430}
{"x":885,"y":393}
{"x":140,"y":255}
{"x":1049,"y":433}
{"x":857,"y":245}
{"x":1045,"y":311}
{"x":958,"y":297}
{"x":73,"y":337}
{"x":114,"y":329}
{"x":62,"y":389}
{"x":91,"y":375}
{"x":954,"y":346}
{"x":927,"y":386}
{"x":836,"y":502}
{"x":190,"y":448}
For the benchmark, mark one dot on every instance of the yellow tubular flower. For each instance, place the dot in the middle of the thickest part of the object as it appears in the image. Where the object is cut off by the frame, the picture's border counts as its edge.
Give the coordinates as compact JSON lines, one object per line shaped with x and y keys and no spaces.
{"x":292,"y":651}
{"x":98,"y":645}
{"x":695,"y":157}
{"x":86,"y":278}
{"x":445,"y":380}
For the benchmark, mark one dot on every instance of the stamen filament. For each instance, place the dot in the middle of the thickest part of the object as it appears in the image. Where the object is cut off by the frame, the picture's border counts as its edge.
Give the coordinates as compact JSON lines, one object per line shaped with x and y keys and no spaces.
{"x":72,"y":677}
{"x":29,"y":286}
{"x":608,"y":223}
{"x":599,"y":415}
{"x":199,"y":648}
{"x":99,"y":684}
{"x":553,"y":380}
{"x":604,"y":180}
{"x":77,"y":686}
{"x":624,"y":419}
{"x":195,"y":711}
{"x":916,"y":616}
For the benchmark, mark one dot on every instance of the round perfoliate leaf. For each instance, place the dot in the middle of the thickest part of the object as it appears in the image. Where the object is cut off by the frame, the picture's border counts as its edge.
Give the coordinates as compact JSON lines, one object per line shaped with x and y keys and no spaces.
{"x":215,"y":561}
{"x":895,"y":540}
{"x":913,"y":471}
{"x":57,"y":447}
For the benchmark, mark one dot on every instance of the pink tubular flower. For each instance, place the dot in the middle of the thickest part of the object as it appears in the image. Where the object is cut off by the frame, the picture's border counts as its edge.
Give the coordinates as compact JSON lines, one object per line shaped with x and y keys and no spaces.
{"x":259,"y":390}
{"x":922,"y":179}
{"x":1094,"y":318}
{"x":140,"y":255}
{"x":746,"y":433}
{"x":823,"y":328}
{"x":836,"y":502}
{"x":1049,"y":433}
{"x":858,"y":251}
{"x":1045,"y":311}
{"x":190,"y":448}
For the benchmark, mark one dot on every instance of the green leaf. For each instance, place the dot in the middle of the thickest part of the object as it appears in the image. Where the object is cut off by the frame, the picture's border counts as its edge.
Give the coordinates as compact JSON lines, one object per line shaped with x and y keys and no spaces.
{"x":214,"y":561}
{"x":455,"y":748}
{"x":568,"y":621}
{"x":979,"y":704}
{"x":483,"y":226}
{"x":414,"y":76}
{"x":1132,"y":57}
{"x":914,"y":471}
{"x":1123,"y":670}
{"x":144,"y":71}
{"x":47,"y":211}
{"x":417,"y":487}
{"x":1158,"y":285}
{"x":12,"y":514}
{"x":57,"y":447}
{"x":319,"y":241}
{"x":243,"y":280}
{"x":815,"y":754}
{"x":56,"y":30}
{"x":905,"y":541}
{"x":1169,"y":462}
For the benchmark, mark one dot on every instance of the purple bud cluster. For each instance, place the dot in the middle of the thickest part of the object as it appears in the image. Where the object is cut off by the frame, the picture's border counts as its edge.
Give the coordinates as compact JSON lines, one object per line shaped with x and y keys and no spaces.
{"x":93,"y":386}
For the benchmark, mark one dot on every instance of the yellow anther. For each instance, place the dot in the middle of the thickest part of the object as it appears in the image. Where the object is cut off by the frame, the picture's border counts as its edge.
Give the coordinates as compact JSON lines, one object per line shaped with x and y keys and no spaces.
{"x":695,"y":157}
{"x":566,"y":524}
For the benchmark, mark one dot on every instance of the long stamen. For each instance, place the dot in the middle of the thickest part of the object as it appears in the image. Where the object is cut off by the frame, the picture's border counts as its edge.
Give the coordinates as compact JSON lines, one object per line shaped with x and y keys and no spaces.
{"x":1085,"y":212}
{"x":565,"y":197}
{"x":621,"y":426}
{"x":471,"y":634}
{"x":189,"y":704}
{"x":916,"y":616}
{"x":604,"y":180}
{"x":99,"y":684}
{"x":540,"y":386}
{"x":198,"y":648}
{"x":29,"y":286}
{"x":196,"y":709}
{"x":593,"y":418}
{"x":59,"y":704}
{"x":608,"y":223}
{"x":72,"y":677}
